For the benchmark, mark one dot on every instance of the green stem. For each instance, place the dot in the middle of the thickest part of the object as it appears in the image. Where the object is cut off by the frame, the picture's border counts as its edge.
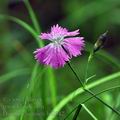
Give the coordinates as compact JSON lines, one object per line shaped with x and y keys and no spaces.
{"x":91,"y":93}
{"x":34,"y":21}
{"x":89,"y":112}
{"x":52,"y":83}
{"x":77,"y":112}
{"x":25,"y":26}
{"x":86,"y":100}
{"x":85,"y":80}
{"x":50,"y":73}
{"x":24,"y":93}
{"x":30,"y":89}
{"x":79,"y":91}
{"x":43,"y":91}
{"x":86,"y":73}
{"x":32,"y":16}
{"x":76,"y":75}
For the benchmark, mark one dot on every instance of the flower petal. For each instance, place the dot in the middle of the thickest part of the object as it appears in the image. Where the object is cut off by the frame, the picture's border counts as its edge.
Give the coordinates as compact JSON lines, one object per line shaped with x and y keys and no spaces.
{"x":45,"y":36}
{"x":73,"y":33}
{"x":58,"y":31}
{"x":52,"y":55}
{"x":40,"y":53}
{"x":74,"y":45}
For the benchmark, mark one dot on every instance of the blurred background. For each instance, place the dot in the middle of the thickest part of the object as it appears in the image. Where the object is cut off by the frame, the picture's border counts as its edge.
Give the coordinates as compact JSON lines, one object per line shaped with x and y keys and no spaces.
{"x":93,"y":18}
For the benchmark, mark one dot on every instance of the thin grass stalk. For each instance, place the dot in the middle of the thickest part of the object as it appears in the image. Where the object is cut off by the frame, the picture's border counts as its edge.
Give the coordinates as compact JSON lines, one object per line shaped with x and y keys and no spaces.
{"x":49,"y":72}
{"x":88,"y":99}
{"x":90,"y":92}
{"x":89,"y":112}
{"x":79,"y":91}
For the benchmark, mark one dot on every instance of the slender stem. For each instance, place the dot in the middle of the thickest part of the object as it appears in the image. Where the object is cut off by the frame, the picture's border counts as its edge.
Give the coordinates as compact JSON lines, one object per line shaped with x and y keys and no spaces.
{"x":89,"y":112}
{"x":32,"y":16}
{"x":79,"y":91}
{"x":87,"y":67}
{"x":89,"y":99}
{"x":30,"y":88}
{"x":50,"y":73}
{"x":114,"y":110}
{"x":77,"y":112}
{"x":43,"y":90}
{"x":34,"y":21}
{"x":53,"y":89}
{"x":90,"y":92}
{"x":76,"y":74}
{"x":83,"y":87}
{"x":85,"y":82}
{"x":86,"y":73}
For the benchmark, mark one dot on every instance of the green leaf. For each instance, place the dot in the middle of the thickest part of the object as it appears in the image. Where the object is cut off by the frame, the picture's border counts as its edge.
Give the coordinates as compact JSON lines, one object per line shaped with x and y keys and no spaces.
{"x":32,"y":16}
{"x":25,"y":26}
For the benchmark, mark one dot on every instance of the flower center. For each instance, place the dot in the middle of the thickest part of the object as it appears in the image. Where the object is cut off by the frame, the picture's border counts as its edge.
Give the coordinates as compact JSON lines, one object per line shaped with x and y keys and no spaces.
{"x":58,"y":40}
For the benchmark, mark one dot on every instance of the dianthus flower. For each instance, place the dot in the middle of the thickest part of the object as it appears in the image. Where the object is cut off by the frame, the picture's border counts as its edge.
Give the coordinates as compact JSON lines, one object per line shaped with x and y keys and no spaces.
{"x":62,"y":47}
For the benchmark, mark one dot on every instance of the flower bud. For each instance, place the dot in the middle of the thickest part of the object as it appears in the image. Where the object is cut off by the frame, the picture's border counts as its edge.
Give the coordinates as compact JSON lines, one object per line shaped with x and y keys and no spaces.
{"x":100,"y":42}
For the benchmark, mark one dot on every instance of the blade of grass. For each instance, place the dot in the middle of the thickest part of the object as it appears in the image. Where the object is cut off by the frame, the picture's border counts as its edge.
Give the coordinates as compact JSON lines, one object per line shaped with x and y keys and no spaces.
{"x":52,"y":83}
{"x":89,"y":91}
{"x":35,"y":79}
{"x":24,"y":25}
{"x":24,"y":91}
{"x":44,"y":90}
{"x":77,"y":112}
{"x":86,"y":100}
{"x":89,"y":112}
{"x":32,"y":16}
{"x":30,"y":88}
{"x":50,"y":73}
{"x":117,"y":105}
{"x":40,"y":43}
{"x":79,"y":91}
{"x":19,"y":111}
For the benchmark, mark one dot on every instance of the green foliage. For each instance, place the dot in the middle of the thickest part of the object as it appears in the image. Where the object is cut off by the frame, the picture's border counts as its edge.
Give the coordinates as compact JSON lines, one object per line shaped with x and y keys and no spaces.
{"x":34,"y":92}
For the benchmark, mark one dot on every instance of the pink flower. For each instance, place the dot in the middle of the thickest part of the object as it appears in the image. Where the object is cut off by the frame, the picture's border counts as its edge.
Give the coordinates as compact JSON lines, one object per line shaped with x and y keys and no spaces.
{"x":62,"y":47}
